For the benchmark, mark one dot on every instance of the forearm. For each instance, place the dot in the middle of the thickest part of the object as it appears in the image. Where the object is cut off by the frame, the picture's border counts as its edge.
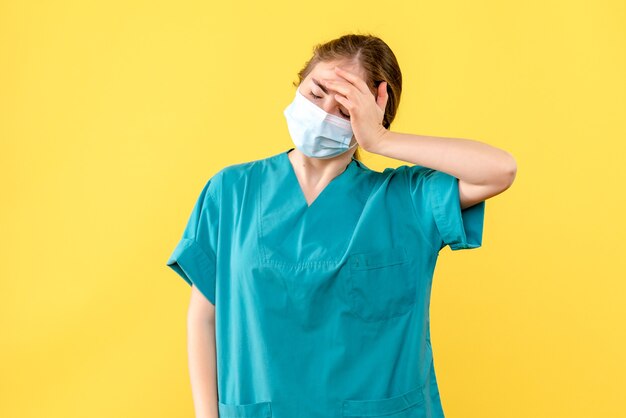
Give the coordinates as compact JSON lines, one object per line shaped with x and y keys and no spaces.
{"x":202,"y":365}
{"x":472,"y":161}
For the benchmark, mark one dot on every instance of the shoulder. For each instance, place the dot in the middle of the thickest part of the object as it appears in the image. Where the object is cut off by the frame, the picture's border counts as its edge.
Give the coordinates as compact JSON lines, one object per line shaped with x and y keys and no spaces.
{"x":404,"y":175}
{"x":398,"y":178}
{"x":408,"y":171}
{"x":233,"y":177}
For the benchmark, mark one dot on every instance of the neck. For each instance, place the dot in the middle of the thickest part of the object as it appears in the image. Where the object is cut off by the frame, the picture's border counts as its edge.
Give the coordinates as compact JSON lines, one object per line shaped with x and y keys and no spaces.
{"x":309,"y":165}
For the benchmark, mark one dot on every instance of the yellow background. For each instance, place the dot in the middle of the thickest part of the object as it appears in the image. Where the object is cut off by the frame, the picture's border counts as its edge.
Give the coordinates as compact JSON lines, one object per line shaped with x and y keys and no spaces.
{"x":113,"y":114}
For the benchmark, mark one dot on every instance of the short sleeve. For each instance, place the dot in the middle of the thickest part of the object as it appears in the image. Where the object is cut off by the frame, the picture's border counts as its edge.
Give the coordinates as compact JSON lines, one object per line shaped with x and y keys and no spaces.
{"x":435,"y":194}
{"x":194,"y":257}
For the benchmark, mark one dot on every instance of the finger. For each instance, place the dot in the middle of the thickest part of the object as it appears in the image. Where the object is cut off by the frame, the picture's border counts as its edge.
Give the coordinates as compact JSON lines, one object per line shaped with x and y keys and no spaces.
{"x":355,"y":80}
{"x":340,"y":87}
{"x":345,"y":102}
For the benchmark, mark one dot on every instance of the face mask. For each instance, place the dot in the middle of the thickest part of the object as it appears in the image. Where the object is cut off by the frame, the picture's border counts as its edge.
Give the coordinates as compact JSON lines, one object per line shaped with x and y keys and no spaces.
{"x":314,"y":132}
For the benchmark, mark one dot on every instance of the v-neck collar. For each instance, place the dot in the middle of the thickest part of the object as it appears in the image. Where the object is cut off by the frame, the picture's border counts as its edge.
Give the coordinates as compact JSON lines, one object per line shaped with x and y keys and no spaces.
{"x":333,"y":182}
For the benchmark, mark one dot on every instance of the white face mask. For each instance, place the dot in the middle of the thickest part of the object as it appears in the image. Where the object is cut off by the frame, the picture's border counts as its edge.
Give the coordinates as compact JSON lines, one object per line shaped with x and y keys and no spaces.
{"x":315,"y":132}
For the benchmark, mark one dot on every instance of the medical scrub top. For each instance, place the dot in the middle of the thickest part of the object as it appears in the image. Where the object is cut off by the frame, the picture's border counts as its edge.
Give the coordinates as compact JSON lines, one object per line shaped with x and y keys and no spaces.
{"x":322,"y":310}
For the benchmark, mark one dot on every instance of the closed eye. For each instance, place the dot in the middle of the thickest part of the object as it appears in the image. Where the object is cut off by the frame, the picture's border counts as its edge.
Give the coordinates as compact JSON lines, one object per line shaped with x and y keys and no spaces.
{"x":342,"y":114}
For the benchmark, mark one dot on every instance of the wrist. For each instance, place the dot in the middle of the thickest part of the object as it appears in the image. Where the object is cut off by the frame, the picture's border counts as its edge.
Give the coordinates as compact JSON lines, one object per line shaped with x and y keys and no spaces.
{"x":378,"y":144}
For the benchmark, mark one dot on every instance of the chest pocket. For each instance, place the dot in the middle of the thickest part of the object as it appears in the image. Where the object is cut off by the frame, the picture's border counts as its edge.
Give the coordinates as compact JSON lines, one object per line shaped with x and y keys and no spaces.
{"x":380,"y":284}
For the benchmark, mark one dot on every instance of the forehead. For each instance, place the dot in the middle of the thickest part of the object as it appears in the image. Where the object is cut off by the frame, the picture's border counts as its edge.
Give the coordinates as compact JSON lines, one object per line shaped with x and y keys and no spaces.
{"x":325,"y":70}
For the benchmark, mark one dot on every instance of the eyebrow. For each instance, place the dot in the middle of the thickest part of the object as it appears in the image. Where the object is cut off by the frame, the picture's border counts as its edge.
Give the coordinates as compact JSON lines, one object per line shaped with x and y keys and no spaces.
{"x":320,"y":85}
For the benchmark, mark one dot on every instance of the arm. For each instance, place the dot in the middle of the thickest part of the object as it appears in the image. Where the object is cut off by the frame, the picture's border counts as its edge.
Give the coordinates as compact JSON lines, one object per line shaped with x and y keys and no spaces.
{"x":201,"y":351}
{"x":483,"y":170}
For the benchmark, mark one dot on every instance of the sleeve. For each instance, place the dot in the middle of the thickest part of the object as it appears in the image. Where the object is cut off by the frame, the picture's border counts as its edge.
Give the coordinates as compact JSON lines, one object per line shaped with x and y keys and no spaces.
{"x":194,"y":257}
{"x":435,"y":194}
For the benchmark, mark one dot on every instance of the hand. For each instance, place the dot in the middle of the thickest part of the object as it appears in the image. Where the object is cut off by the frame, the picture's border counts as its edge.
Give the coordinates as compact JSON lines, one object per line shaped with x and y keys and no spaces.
{"x":366,"y":111}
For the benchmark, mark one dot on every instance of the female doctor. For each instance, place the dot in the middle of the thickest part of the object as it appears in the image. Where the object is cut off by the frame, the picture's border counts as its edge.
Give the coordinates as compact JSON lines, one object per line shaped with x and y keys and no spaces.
{"x":311,"y":273}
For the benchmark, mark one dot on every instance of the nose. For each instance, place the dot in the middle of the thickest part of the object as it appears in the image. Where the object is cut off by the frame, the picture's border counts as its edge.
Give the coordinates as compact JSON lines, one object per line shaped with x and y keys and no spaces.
{"x":330,"y":104}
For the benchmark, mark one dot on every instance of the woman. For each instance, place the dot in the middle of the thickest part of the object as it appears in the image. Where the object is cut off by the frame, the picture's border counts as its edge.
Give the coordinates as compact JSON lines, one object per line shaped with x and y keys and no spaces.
{"x":310,"y":273}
